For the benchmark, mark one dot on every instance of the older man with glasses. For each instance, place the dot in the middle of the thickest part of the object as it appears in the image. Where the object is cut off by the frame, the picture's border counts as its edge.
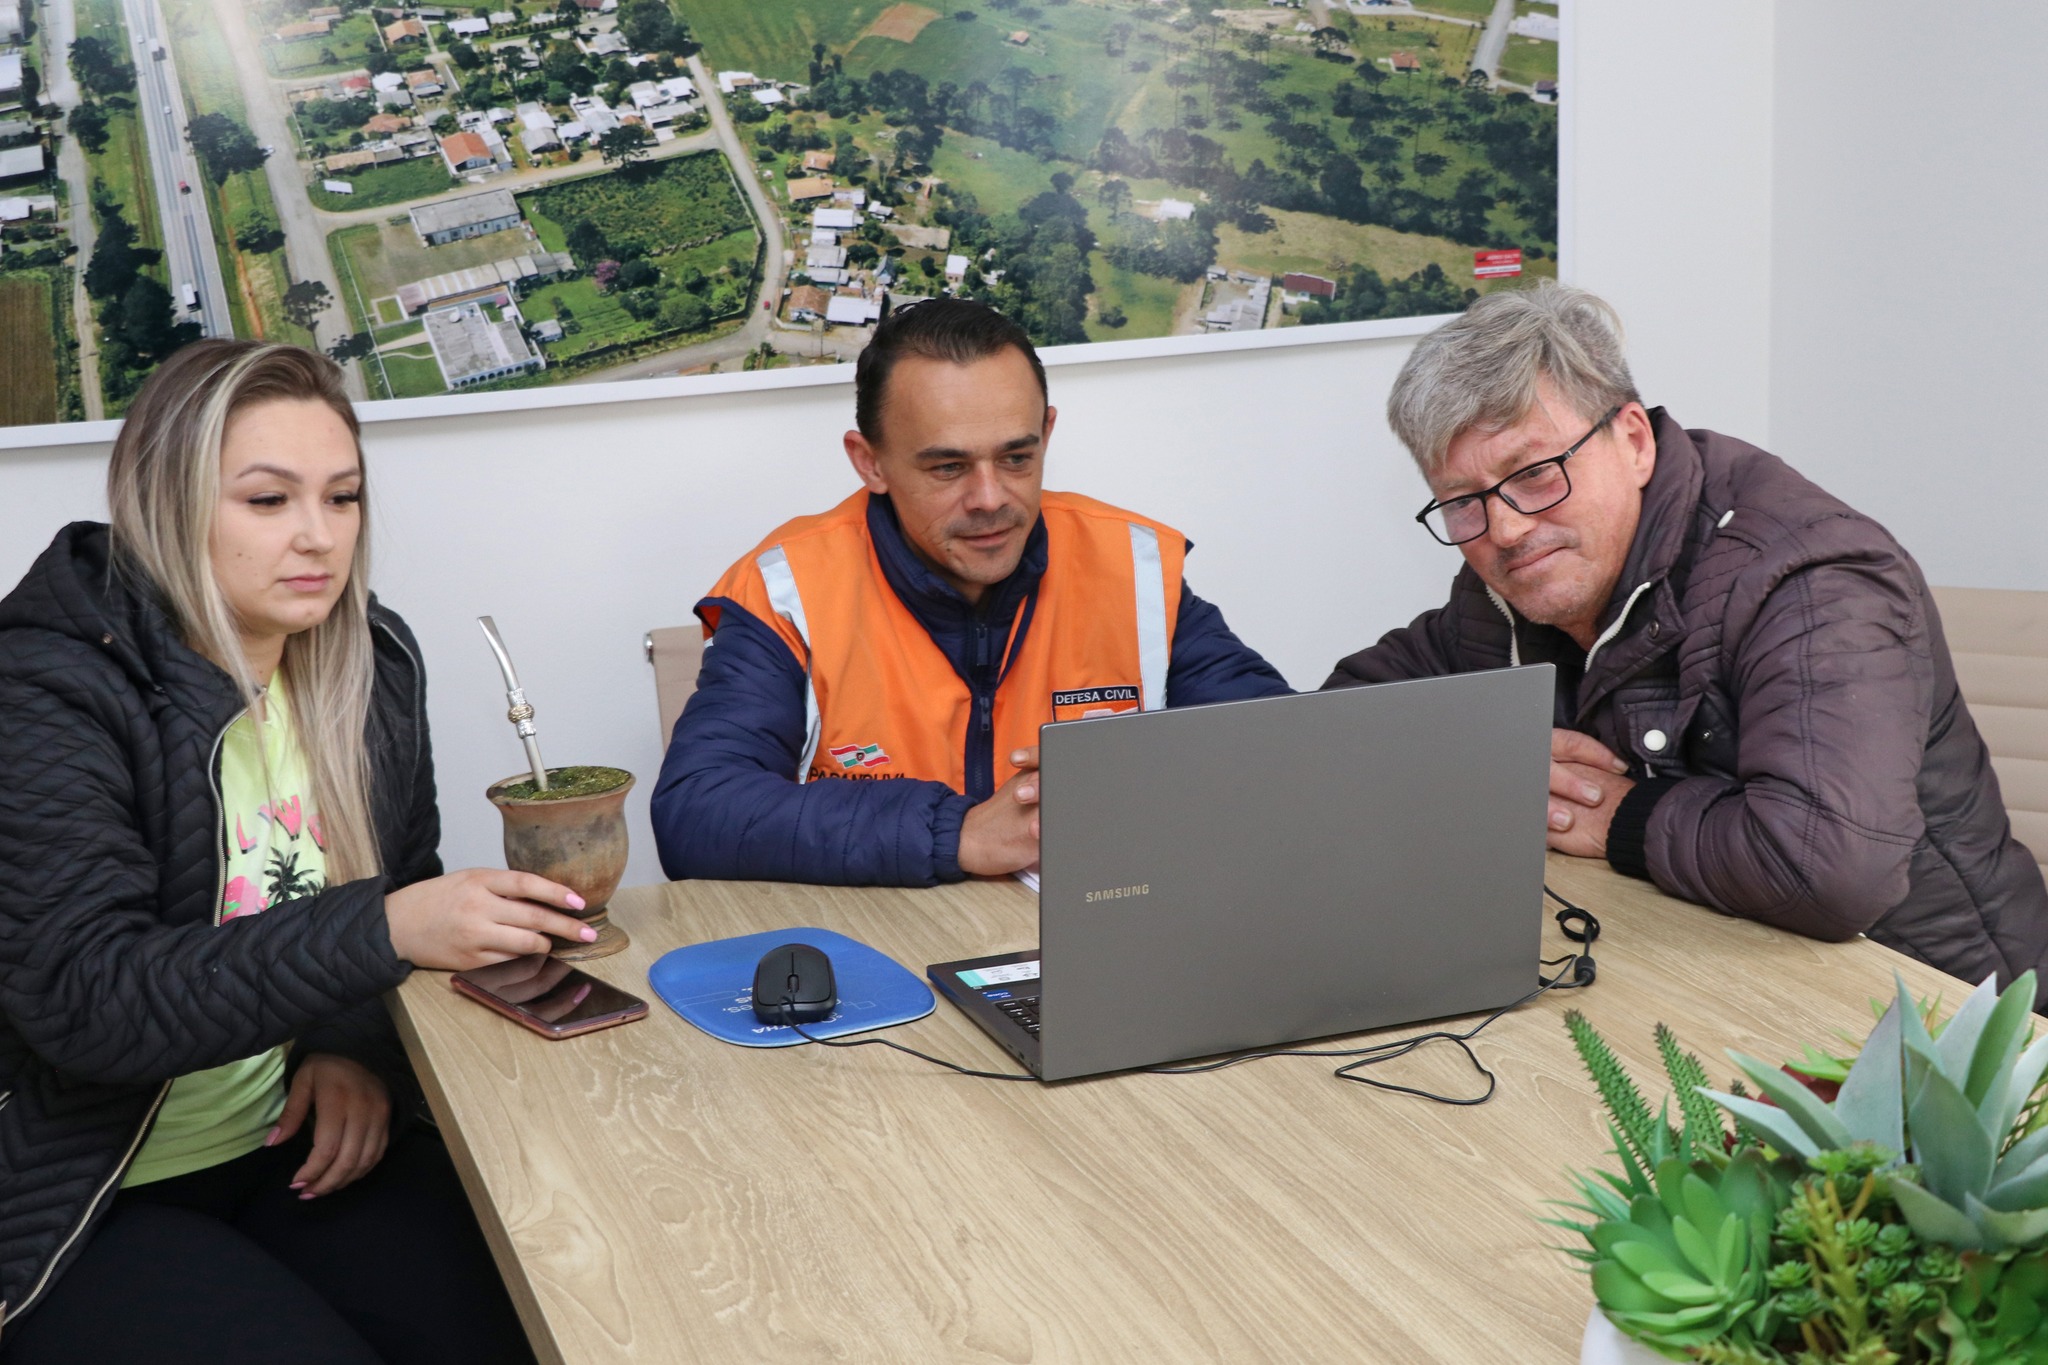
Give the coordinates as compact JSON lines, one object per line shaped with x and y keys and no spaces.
{"x":1755,"y":705}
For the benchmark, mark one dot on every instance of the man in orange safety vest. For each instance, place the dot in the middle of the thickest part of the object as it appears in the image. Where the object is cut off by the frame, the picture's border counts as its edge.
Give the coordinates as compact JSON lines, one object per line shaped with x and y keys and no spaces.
{"x":875,"y":675}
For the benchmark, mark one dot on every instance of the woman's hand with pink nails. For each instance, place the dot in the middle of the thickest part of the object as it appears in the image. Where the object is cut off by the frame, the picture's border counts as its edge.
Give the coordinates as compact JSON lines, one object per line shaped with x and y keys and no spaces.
{"x":480,"y":916}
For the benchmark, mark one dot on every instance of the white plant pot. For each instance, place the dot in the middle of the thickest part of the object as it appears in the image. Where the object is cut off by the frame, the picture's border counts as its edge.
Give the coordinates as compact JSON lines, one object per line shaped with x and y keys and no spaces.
{"x":1606,"y":1344}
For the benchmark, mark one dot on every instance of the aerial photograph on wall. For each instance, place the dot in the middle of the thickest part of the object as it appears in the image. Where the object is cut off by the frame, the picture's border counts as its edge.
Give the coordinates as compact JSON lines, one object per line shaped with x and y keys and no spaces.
{"x":458,"y":198}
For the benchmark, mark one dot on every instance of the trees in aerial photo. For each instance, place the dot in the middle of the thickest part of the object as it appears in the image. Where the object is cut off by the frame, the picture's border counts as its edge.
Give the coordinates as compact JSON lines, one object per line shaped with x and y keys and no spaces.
{"x":138,"y":322}
{"x":225,"y":146}
{"x":1426,"y":154}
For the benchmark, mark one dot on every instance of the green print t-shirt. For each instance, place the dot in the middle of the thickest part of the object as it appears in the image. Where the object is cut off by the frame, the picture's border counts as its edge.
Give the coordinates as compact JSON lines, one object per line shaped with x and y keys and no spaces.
{"x":275,"y":852}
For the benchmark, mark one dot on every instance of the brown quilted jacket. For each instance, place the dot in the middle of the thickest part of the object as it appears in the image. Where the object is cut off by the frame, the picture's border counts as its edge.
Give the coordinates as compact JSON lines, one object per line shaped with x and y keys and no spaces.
{"x":1773,"y":669}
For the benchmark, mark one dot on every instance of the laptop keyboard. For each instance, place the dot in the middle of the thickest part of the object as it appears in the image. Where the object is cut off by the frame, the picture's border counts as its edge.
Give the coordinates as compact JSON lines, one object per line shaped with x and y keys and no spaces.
{"x":1024,"y":1012}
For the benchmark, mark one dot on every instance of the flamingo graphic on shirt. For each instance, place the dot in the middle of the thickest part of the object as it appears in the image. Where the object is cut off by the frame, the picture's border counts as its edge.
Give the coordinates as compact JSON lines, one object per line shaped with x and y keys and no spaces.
{"x":268,"y":863}
{"x":285,"y":813}
{"x":242,"y":897}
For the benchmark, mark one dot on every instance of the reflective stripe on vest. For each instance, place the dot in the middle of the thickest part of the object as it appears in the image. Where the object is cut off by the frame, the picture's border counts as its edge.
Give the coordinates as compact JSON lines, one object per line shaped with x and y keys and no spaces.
{"x":789,"y":605}
{"x":1149,"y":581}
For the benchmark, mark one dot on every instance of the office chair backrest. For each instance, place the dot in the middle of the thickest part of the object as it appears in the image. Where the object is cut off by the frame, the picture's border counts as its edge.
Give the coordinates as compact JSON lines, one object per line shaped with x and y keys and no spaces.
{"x":676,"y":652}
{"x":1999,"y":638}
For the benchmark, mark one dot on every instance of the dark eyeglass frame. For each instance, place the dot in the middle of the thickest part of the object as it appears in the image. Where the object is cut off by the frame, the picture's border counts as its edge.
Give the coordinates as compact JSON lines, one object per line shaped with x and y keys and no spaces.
{"x":1499,"y":490}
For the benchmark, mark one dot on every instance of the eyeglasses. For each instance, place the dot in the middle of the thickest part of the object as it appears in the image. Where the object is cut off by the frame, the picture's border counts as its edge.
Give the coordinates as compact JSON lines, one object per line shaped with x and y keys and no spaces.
{"x":1532,"y":488}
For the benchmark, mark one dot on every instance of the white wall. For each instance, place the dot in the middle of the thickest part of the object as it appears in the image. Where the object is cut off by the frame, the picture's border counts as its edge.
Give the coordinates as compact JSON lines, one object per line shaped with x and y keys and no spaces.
{"x":1908,"y":350}
{"x":579,"y":528}
{"x":1671,"y":167}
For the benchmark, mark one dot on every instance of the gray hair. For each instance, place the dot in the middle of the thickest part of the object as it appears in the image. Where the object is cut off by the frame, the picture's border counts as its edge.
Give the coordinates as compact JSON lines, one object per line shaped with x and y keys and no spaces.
{"x":1481,"y":369}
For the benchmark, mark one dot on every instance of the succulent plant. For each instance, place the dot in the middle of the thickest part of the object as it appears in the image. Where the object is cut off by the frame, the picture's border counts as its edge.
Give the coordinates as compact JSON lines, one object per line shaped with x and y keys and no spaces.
{"x":1843,"y":1274}
{"x":1683,"y":1261}
{"x":1830,"y":1069}
{"x":1636,"y":1134}
{"x":1994,"y":1314}
{"x":1975,"y":1182}
{"x":1900,"y":1220}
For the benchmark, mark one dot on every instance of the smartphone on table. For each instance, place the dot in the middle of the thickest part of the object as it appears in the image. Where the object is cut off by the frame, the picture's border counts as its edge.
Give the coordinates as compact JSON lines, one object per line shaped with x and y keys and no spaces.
{"x":549,"y":996}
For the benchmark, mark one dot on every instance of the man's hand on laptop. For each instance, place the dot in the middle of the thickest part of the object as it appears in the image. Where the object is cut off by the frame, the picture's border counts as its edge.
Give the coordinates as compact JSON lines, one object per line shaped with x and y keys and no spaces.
{"x":1001,"y":834}
{"x":1587,"y":782}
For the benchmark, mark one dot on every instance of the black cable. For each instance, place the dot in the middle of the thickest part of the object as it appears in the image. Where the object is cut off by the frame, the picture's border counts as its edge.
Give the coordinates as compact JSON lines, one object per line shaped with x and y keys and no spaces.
{"x":884,"y":1042}
{"x":1576,"y":923}
{"x":1402,"y":1048}
{"x":1375,"y":1053}
{"x":1582,"y":928}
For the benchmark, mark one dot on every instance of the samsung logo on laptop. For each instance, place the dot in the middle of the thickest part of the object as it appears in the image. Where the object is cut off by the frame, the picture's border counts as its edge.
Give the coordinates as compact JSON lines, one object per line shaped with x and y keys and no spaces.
{"x":1117,"y":893}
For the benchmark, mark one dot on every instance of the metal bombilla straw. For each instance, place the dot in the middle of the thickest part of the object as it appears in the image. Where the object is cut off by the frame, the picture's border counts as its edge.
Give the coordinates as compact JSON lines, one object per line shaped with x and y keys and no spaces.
{"x":520,"y":710}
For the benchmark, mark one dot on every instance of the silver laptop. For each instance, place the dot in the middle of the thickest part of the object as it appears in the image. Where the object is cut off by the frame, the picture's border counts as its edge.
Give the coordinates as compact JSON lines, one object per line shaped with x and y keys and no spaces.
{"x":1251,"y":873}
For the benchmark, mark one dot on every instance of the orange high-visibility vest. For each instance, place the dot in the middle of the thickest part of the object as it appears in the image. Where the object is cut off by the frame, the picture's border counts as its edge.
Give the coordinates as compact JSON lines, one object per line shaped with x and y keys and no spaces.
{"x":884,"y":700}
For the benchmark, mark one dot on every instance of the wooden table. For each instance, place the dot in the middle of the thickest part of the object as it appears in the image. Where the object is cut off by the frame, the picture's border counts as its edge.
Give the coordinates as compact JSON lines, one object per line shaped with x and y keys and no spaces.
{"x":653,"y":1195}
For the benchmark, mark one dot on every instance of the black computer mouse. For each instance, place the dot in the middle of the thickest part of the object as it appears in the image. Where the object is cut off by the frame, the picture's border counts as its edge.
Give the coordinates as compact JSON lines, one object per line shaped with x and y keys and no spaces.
{"x":800,"y":974}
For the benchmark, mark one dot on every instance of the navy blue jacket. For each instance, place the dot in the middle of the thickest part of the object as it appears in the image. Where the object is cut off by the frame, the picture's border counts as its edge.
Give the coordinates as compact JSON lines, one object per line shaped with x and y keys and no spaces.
{"x":728,"y":804}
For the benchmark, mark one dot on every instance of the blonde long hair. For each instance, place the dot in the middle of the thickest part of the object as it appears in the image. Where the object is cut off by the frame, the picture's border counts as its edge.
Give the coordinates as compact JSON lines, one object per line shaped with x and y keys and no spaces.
{"x":163,"y":488}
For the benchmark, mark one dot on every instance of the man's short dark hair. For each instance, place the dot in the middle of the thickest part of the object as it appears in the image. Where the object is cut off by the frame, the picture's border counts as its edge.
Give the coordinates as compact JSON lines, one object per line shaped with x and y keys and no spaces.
{"x":954,"y":330}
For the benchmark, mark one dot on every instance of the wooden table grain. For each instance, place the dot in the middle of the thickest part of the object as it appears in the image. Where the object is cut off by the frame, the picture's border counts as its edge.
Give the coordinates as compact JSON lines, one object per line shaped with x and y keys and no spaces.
{"x":653,"y":1195}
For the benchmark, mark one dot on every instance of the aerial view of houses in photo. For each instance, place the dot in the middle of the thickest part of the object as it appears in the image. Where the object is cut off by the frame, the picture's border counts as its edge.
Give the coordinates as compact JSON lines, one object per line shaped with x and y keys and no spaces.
{"x":454,"y":198}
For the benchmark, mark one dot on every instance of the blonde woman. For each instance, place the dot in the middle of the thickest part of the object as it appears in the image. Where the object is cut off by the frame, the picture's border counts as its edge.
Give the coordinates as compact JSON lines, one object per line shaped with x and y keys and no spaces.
{"x":217,"y":850}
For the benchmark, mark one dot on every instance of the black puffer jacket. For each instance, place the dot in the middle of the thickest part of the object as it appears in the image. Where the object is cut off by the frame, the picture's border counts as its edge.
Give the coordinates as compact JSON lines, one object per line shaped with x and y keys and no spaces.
{"x":114,"y":978}
{"x":1773,"y":670}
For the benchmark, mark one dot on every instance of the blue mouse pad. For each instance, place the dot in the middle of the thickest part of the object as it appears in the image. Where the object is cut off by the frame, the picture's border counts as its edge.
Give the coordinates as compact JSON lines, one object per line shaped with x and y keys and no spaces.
{"x":712,"y":986}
